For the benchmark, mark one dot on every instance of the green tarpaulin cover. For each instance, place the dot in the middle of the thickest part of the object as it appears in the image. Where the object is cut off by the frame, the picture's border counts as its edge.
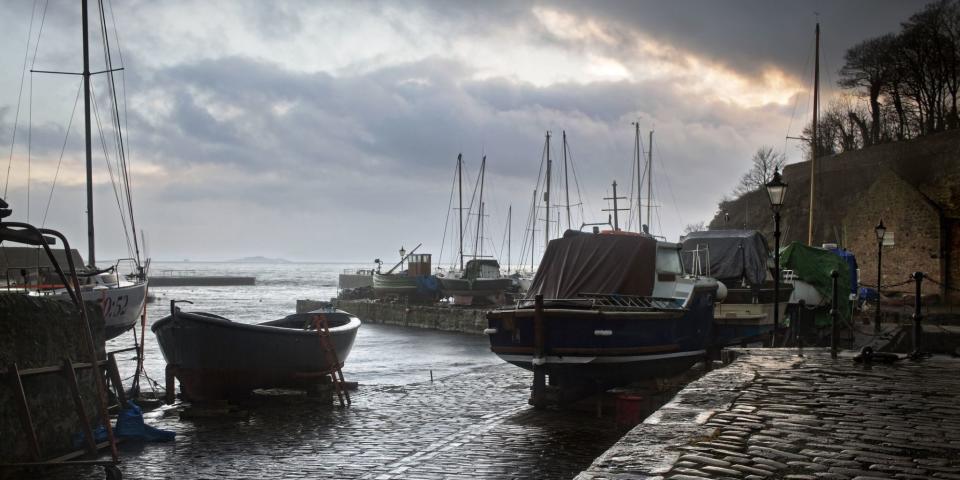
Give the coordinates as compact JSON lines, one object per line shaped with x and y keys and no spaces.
{"x":813,"y":265}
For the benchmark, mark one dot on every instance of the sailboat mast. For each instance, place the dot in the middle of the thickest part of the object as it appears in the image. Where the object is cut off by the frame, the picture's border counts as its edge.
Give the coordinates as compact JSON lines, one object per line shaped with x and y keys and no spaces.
{"x":636,"y":139}
{"x":546,"y":198}
{"x":566,"y":179}
{"x":649,"y":182}
{"x":476,"y":245}
{"x":509,"y":221}
{"x":815,"y":140}
{"x":91,"y":258}
{"x":533,"y":229}
{"x":460,"y":210}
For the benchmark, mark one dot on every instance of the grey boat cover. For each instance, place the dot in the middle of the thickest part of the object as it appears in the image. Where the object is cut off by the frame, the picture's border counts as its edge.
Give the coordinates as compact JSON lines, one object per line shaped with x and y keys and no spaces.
{"x":733,"y":254}
{"x":623,"y":263}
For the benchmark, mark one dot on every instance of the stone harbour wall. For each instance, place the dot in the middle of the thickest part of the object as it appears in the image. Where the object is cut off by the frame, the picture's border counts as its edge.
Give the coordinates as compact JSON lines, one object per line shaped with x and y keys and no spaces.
{"x":449,"y":318}
{"x":42,"y":332}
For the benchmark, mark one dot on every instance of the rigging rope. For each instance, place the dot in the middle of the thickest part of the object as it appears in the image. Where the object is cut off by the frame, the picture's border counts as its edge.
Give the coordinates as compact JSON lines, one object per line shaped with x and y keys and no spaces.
{"x":117,"y":194}
{"x":63,"y":150}
{"x":446,"y":222}
{"x":16,"y":117}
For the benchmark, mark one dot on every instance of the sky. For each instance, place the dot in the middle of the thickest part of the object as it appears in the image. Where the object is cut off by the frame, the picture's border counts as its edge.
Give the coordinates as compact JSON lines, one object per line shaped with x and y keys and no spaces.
{"x":329,"y":131}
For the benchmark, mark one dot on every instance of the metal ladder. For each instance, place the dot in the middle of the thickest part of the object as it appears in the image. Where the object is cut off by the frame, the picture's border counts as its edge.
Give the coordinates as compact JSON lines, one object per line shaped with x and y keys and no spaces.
{"x":330,"y":355}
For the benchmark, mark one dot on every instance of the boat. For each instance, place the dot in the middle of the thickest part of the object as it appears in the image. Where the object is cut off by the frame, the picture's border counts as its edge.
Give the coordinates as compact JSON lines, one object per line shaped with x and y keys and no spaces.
{"x":480,"y":280}
{"x":416,"y":283}
{"x":120,"y":295}
{"x":616,"y":308}
{"x":215,"y":358}
{"x":740,"y":260}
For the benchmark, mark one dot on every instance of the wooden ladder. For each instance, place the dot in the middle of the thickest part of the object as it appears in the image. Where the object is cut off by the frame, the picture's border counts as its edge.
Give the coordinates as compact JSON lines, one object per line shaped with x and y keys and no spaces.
{"x":330,"y":356}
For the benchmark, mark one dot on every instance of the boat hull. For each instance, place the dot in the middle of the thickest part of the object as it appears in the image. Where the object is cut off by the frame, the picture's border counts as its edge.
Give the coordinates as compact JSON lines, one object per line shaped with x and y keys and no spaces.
{"x":605,"y":347}
{"x":122,"y":306}
{"x":215,"y":358}
{"x":470,"y":292}
{"x":746,"y":316}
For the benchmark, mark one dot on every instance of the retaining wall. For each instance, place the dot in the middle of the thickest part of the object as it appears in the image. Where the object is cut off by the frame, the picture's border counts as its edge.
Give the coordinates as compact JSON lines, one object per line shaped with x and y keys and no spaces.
{"x":449,"y":318}
{"x":42,"y":332}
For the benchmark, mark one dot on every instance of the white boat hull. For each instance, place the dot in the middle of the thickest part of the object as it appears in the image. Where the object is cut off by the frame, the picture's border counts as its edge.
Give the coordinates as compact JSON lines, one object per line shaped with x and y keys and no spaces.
{"x":122,"y":306}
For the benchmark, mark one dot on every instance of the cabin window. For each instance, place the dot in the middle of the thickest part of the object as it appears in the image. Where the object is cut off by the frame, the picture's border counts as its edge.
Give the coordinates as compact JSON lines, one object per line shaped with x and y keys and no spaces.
{"x":668,"y":261}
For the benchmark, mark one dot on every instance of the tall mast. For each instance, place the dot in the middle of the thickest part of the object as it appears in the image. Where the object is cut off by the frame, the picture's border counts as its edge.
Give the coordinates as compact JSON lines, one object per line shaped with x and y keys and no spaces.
{"x":546,"y":198}
{"x":649,"y":182}
{"x":533,"y":229}
{"x":566,"y":178}
{"x":816,"y":119}
{"x":460,"y":210}
{"x":509,"y":221}
{"x":91,"y":258}
{"x":481,"y":231}
{"x":477,"y":246}
{"x":636,"y":138}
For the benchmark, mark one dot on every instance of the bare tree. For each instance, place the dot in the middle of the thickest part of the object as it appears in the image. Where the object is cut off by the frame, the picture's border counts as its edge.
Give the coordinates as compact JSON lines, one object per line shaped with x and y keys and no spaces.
{"x":869,"y":66}
{"x":694,"y":227}
{"x":765,"y":161}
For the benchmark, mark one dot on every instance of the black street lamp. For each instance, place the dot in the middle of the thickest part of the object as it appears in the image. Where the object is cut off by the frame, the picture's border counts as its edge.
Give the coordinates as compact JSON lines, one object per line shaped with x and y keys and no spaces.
{"x":880,"y":230}
{"x":776,"y":190}
{"x":403,"y":254}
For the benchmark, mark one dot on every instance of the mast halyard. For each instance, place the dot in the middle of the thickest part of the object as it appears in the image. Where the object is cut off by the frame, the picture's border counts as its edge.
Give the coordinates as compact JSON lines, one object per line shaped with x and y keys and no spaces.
{"x":636,"y":139}
{"x":509,"y":221}
{"x":566,"y":179}
{"x":477,"y":246}
{"x":460,"y":210}
{"x":649,"y":183}
{"x":546,"y":198}
{"x":91,"y":253}
{"x":533,"y":230}
{"x":814,"y":140}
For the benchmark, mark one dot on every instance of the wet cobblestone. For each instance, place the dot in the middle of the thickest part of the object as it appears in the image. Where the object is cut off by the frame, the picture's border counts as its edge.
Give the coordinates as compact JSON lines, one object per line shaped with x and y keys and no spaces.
{"x":775,"y":415}
{"x":472,"y":425}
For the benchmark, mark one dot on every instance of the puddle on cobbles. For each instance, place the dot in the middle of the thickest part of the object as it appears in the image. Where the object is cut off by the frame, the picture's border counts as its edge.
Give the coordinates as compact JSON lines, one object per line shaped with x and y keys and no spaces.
{"x":475,"y":424}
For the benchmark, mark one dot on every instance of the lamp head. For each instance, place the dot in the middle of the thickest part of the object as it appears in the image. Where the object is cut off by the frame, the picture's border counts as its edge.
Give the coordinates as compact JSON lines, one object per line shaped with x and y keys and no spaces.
{"x":776,"y":190}
{"x":880,"y":230}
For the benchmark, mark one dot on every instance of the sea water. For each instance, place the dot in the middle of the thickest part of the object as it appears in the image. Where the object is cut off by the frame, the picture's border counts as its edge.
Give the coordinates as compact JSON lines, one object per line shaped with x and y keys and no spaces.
{"x":381,"y":354}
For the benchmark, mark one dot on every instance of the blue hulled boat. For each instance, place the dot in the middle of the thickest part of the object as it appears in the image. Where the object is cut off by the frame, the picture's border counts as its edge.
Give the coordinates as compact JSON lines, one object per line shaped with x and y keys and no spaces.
{"x":616,"y":308}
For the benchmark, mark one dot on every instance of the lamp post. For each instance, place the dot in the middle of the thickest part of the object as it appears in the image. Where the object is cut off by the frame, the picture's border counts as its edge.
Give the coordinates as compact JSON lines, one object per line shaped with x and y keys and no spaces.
{"x":403,"y":253}
{"x":880,"y":230}
{"x":776,"y":190}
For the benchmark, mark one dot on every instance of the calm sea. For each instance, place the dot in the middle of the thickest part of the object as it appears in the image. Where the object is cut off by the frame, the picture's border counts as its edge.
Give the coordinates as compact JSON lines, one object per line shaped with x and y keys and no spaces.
{"x":381,"y":353}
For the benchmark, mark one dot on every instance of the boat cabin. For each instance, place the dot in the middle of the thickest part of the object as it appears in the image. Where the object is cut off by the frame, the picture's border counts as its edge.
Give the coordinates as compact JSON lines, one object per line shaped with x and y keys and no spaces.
{"x":419,"y":264}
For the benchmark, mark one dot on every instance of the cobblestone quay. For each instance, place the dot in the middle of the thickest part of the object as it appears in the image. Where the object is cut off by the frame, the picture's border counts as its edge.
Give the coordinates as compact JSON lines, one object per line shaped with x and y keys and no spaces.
{"x":771,"y":414}
{"x":472,"y":425}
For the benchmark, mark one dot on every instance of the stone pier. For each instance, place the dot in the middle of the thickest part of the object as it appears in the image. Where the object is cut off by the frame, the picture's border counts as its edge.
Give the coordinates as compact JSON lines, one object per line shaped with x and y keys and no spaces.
{"x":449,"y":318}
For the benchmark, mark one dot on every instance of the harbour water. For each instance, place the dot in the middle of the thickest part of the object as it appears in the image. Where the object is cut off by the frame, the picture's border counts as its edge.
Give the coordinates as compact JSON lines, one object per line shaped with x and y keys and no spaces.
{"x":380,"y":354}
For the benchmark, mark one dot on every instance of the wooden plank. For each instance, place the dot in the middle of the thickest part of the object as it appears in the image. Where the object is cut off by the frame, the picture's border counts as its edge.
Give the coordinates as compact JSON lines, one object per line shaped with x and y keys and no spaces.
{"x":116,"y":380}
{"x":71,"y":375}
{"x":25,"y":419}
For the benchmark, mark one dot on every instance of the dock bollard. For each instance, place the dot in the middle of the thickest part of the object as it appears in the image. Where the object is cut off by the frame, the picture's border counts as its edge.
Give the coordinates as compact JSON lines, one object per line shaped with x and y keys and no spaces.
{"x":835,"y":326}
{"x":801,"y":306}
{"x":538,"y":395}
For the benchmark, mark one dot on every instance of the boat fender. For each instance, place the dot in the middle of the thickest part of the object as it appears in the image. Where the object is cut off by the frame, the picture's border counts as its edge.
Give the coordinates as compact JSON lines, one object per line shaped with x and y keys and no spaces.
{"x":489,"y":331}
{"x":721,"y":291}
{"x":537,"y":361}
{"x":603,"y":333}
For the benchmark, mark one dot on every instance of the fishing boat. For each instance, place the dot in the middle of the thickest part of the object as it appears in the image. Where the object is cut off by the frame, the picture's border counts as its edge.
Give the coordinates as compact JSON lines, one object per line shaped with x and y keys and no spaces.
{"x":740,"y":260}
{"x":606,"y":309}
{"x":121,"y":295}
{"x":480,"y":280}
{"x":215,"y":358}
{"x":415,"y":283}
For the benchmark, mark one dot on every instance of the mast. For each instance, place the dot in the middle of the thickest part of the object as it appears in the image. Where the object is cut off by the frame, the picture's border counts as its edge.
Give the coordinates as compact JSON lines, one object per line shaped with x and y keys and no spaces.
{"x":636,"y":138}
{"x":649,"y":182}
{"x":546,"y":198}
{"x":566,"y":178}
{"x":815,"y":140}
{"x":533,"y":229}
{"x":91,"y":258}
{"x":509,"y":220}
{"x":481,"y":230}
{"x":477,"y":246}
{"x":460,"y":210}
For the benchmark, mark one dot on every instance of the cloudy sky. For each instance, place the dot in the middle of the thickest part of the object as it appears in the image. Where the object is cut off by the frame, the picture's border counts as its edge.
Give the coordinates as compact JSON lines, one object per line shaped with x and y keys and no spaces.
{"x":330,"y":130}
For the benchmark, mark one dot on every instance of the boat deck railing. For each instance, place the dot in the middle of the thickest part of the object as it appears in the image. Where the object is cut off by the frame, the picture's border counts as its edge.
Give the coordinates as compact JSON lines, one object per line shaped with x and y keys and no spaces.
{"x":608,"y":300}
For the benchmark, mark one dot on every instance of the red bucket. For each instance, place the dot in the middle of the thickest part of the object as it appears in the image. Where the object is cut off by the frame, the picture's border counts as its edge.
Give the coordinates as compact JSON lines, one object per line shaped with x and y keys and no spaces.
{"x":629,"y":410}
